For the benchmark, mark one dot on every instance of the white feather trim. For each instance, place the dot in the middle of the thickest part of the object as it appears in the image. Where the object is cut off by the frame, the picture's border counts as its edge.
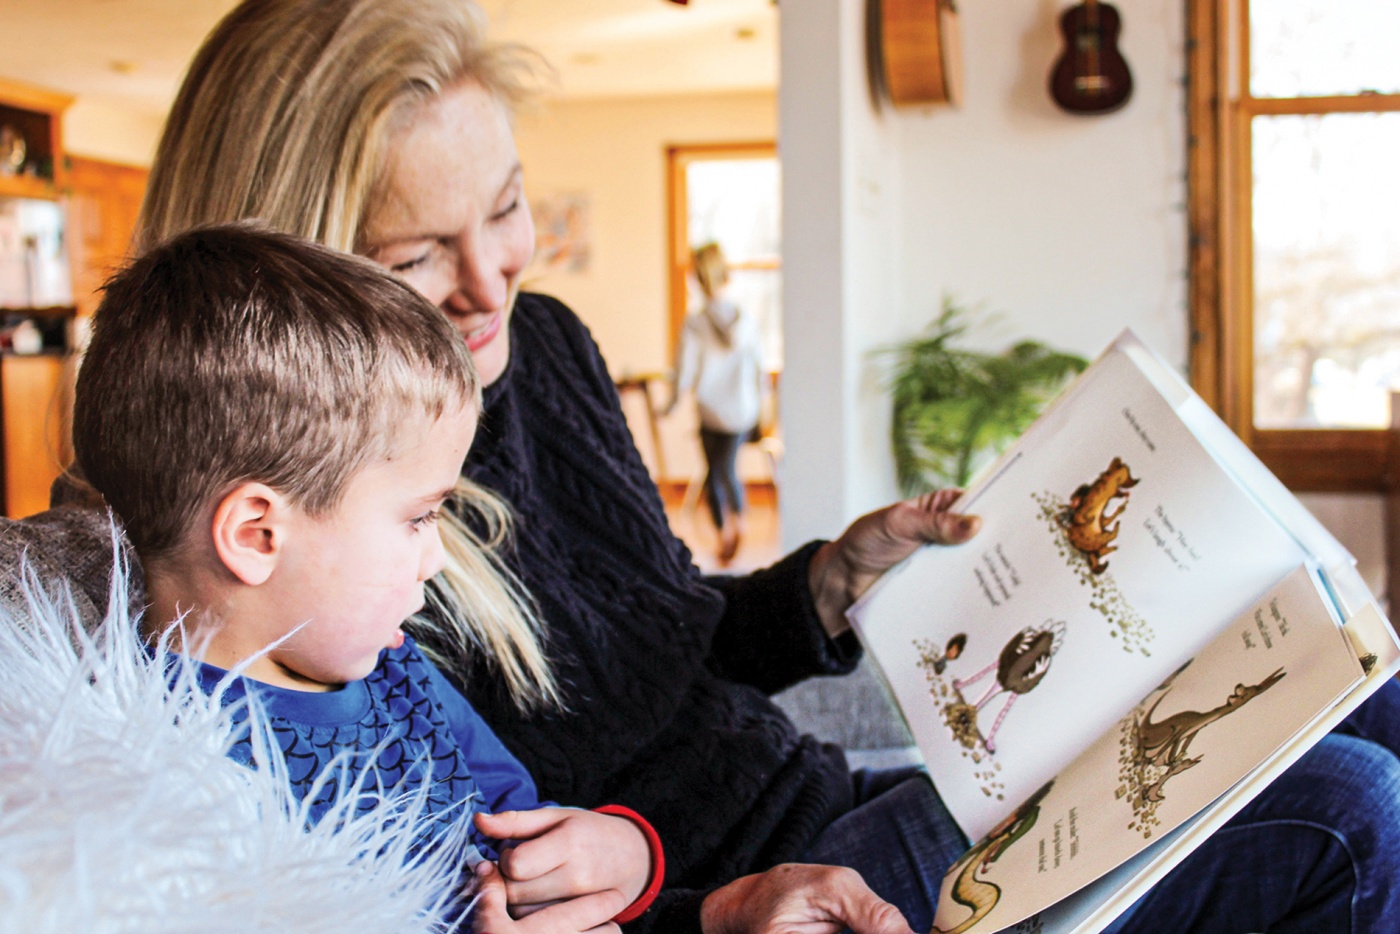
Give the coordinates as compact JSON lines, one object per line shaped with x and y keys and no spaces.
{"x":120,"y":812}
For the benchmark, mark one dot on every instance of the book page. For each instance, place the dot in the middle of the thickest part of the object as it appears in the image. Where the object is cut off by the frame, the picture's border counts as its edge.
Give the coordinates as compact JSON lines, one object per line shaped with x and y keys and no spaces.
{"x":1211,"y":722}
{"x":1113,"y":548}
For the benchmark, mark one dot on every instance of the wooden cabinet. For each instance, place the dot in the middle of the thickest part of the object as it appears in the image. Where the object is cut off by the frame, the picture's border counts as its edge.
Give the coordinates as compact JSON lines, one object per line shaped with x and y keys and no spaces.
{"x":103,"y":201}
{"x":34,"y":407}
{"x":31,"y":141}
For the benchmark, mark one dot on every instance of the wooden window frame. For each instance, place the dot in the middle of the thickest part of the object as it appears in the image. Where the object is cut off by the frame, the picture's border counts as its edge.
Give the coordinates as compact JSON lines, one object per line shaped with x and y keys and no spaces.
{"x":678,"y":158}
{"x":1220,"y":111}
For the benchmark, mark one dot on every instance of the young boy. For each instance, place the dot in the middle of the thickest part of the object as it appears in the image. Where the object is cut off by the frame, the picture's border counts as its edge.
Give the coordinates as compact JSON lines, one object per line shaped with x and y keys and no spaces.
{"x":278,"y":426}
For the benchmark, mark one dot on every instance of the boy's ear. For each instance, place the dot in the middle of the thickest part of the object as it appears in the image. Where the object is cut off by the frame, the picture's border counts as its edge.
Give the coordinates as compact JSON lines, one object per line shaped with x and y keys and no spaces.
{"x":250,"y":531}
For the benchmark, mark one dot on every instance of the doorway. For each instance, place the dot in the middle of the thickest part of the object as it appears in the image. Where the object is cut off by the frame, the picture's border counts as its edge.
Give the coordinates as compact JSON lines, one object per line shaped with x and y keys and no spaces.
{"x":729,"y":194}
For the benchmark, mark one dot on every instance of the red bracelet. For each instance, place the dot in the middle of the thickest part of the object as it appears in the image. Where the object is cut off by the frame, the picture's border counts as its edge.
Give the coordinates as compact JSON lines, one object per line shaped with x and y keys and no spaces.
{"x":658,"y":862}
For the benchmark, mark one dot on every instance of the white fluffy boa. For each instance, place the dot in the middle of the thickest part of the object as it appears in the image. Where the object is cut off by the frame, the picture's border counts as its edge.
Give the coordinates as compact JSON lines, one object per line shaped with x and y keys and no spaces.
{"x":119,"y":811}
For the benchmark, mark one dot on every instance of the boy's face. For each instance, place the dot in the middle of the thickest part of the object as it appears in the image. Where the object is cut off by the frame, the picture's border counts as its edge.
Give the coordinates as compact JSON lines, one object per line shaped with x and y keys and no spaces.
{"x":358,"y":573}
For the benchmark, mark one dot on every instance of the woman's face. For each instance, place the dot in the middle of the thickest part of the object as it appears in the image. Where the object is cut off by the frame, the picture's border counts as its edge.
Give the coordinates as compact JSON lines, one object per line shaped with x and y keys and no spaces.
{"x":451,"y":217}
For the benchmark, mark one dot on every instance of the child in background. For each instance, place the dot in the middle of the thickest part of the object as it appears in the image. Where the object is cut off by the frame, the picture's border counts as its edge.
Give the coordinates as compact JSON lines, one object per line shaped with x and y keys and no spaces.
{"x":720,"y":357}
{"x":278,"y":427}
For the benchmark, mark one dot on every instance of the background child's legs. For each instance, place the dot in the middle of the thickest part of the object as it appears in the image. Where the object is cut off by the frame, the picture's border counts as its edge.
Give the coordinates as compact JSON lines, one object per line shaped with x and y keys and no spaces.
{"x":722,"y":488}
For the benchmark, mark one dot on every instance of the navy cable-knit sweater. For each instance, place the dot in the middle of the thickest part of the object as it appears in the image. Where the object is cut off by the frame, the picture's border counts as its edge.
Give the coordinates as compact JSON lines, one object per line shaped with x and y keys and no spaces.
{"x":666,"y":673}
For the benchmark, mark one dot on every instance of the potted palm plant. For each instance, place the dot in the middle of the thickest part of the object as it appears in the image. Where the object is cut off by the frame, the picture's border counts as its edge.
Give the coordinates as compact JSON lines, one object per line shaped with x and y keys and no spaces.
{"x":955,"y":408}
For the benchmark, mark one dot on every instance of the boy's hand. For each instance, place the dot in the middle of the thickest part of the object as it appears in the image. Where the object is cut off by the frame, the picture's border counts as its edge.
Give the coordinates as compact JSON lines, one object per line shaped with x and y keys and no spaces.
{"x":590,"y":914}
{"x":564,"y":853}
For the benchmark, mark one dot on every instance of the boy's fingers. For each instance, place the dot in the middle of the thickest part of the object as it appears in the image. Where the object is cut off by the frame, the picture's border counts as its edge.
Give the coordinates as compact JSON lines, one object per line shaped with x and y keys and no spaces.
{"x":585,"y":913}
{"x":489,"y":911}
{"x":518,"y":825}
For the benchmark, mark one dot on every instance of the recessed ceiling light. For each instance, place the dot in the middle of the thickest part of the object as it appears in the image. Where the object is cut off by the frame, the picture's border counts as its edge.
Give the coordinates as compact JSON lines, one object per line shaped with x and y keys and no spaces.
{"x":123,"y":67}
{"x":745,"y":33}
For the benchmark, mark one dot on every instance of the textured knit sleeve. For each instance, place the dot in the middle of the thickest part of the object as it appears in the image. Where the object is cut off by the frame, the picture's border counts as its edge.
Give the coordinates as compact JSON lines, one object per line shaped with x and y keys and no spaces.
{"x":770,"y":635}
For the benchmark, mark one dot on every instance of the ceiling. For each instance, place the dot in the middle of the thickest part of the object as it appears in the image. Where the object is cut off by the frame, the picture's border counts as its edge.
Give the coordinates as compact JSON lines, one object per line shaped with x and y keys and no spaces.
{"x":131,"y":54}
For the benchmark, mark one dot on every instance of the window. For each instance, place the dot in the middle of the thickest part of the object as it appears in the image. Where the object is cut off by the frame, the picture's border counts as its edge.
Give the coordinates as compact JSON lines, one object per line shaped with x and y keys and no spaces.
{"x":1295,"y":229}
{"x":728,"y":193}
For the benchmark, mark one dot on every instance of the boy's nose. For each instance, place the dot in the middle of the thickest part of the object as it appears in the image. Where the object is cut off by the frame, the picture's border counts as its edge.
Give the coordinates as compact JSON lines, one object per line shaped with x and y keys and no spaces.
{"x":434,"y":557}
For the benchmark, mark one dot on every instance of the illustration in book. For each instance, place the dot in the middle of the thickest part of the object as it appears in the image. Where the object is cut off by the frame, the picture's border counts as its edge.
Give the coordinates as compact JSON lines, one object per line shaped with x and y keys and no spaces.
{"x":1154,"y":750}
{"x":1094,"y":525}
{"x":1146,"y":629}
{"x":1188,"y":740}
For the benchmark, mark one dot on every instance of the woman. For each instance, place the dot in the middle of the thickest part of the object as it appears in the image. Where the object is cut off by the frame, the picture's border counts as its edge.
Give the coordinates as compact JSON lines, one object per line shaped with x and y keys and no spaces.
{"x":721,"y":359}
{"x":382,"y":126}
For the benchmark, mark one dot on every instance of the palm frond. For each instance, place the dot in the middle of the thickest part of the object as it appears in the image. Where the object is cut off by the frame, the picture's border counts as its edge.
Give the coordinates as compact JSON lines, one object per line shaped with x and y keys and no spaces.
{"x":955,"y":408}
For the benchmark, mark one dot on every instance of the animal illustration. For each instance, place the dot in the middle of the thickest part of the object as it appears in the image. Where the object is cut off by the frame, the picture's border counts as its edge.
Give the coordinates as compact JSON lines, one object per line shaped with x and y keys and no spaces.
{"x":1164,"y":744}
{"x":1090,"y":520}
{"x":977,"y":894}
{"x":1021,"y":666}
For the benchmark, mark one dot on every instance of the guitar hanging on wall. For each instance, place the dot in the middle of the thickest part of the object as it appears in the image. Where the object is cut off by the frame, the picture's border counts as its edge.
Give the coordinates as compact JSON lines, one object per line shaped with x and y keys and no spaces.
{"x":1091,"y":76}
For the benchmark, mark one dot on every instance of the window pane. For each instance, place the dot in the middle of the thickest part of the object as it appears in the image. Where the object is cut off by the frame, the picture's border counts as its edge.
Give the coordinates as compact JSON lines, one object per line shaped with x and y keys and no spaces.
{"x":734,"y":202}
{"x":1308,"y":48}
{"x":1326,"y":269}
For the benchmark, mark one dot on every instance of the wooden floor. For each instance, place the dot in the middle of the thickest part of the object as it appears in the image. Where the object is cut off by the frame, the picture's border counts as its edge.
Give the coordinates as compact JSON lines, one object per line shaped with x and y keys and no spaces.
{"x":758,"y":548}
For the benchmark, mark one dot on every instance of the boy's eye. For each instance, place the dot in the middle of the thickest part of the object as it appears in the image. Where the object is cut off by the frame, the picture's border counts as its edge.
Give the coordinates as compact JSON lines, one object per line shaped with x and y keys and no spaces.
{"x":428,"y":518}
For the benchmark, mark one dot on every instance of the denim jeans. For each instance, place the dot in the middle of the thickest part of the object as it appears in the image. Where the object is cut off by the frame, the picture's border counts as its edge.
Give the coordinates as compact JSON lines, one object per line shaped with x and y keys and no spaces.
{"x":1318,"y":851}
{"x":723,"y":491}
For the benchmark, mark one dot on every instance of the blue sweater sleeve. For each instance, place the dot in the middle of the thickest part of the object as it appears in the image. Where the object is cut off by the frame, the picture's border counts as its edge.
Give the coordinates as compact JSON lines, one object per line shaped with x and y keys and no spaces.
{"x":499,"y":775}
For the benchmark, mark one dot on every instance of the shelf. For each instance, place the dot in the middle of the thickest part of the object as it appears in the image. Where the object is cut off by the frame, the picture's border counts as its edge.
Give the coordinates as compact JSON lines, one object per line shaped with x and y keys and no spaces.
{"x":35,"y":115}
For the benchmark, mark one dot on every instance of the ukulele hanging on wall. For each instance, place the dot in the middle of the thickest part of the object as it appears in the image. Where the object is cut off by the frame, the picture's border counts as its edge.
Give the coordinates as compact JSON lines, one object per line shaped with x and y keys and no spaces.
{"x":1091,"y":76}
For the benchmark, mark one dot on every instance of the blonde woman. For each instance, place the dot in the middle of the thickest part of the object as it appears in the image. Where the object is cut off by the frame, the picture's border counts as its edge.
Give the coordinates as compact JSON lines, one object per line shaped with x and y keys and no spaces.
{"x":384,"y":127}
{"x":720,"y":359}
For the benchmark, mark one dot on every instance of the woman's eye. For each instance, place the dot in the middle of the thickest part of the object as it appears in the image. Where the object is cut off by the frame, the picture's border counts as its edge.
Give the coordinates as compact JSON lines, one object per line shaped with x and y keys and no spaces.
{"x":506,"y":211}
{"x":409,"y":264}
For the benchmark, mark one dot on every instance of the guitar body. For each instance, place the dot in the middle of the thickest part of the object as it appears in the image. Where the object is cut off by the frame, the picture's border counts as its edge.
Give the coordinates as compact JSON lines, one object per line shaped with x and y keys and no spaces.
{"x":1091,"y":76}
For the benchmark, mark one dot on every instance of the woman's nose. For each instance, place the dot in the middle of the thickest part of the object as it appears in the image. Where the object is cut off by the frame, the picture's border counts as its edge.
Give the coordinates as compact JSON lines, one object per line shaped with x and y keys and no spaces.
{"x":483,"y":281}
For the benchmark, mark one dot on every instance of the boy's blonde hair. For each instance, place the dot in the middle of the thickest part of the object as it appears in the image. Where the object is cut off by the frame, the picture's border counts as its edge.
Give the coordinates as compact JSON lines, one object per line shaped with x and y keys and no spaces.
{"x":711,"y":268}
{"x":285,"y":115}
{"x":234,"y":354}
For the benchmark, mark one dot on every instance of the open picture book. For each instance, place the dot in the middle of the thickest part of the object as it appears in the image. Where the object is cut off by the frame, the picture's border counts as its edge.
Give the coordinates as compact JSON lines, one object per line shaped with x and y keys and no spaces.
{"x":1147,"y":630}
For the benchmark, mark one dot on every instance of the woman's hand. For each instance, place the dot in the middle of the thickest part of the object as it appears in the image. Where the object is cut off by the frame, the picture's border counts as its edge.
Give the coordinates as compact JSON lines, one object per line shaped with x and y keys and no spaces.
{"x":800,"y":899}
{"x":567,"y":853}
{"x":590,"y":913}
{"x":844,"y":569}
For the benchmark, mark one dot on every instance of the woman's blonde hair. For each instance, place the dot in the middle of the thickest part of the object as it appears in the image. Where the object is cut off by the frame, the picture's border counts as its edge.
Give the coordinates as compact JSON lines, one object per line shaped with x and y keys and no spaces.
{"x":285,"y":116}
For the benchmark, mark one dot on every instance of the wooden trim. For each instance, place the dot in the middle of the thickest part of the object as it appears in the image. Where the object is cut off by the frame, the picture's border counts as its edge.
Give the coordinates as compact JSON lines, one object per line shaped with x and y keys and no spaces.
{"x":1324,"y":460}
{"x":678,"y":158}
{"x":1204,"y":233}
{"x":1305,"y":106}
{"x":1219,"y":209}
{"x":29,"y":97}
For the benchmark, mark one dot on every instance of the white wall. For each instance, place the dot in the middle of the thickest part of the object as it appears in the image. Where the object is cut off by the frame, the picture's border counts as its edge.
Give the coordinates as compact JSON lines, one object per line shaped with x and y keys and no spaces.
{"x":614,"y":151}
{"x":1070,"y":227}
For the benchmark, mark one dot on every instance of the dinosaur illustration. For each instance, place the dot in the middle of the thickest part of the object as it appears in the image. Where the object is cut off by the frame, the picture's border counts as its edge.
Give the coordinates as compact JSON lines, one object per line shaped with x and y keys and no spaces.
{"x":1164,"y":744}
{"x":1090,"y":521}
{"x":1020,"y":667}
{"x":979,"y":895}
